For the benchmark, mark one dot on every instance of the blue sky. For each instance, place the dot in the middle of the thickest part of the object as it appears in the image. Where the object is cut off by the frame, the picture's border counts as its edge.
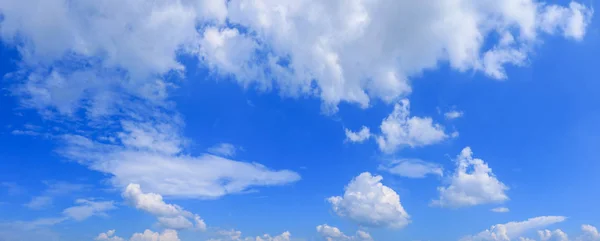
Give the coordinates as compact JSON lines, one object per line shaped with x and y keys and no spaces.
{"x":299,"y":120}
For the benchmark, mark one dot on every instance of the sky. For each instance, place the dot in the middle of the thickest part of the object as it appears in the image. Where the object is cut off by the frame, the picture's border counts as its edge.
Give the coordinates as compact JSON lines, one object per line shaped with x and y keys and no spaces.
{"x":324,"y":120}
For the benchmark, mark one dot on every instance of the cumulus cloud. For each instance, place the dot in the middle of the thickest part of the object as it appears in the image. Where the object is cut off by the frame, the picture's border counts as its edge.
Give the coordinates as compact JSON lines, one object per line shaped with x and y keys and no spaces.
{"x":330,"y":49}
{"x":473,"y":183}
{"x":330,"y":233}
{"x":87,"y":208}
{"x":147,"y":235}
{"x":223,"y":149}
{"x":235,"y":235}
{"x":359,"y":136}
{"x":368,"y":202}
{"x":400,"y":129}
{"x":500,"y":210}
{"x":169,"y":215}
{"x":590,"y":233}
{"x":556,"y":235}
{"x":412,"y":168}
{"x":512,"y":230}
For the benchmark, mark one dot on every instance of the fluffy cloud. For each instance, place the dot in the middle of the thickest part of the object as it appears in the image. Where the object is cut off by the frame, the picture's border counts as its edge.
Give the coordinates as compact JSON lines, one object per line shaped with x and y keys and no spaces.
{"x":500,"y":210}
{"x":590,"y":233}
{"x":169,"y":215}
{"x":330,"y":233}
{"x":223,"y":149}
{"x":331,"y":49}
{"x":359,"y":136}
{"x":412,"y":168}
{"x":556,"y":235}
{"x":400,"y":129}
{"x":473,"y":183}
{"x":512,"y":230}
{"x":368,"y":202}
{"x":87,"y":208}
{"x":108,"y":236}
{"x":147,"y":235}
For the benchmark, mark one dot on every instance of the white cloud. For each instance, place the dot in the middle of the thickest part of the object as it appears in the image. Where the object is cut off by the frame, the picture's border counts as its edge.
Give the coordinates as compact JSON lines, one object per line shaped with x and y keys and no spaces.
{"x":147,"y":235}
{"x":108,"y":236}
{"x":150,"y":154}
{"x":234,"y":235}
{"x":167,"y":235}
{"x":590,"y":233}
{"x":412,"y":168}
{"x":556,"y":235}
{"x":223,"y":149}
{"x":473,"y":183}
{"x":337,"y":51}
{"x":400,"y":129}
{"x":330,"y":233}
{"x":359,"y":136}
{"x":512,"y":230}
{"x":169,"y":215}
{"x":368,"y":202}
{"x":453,"y":114}
{"x":88,"y":208}
{"x":39,"y":202}
{"x":500,"y":210}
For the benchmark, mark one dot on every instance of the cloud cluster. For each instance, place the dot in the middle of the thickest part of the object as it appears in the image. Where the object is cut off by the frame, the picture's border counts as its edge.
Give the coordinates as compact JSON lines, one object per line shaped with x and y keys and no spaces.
{"x":473,"y":183}
{"x":368,"y":202}
{"x":235,"y":235}
{"x":512,"y":230}
{"x":147,"y":235}
{"x":332,"y":49}
{"x":399,"y":129}
{"x":330,"y":233}
{"x":168,"y":215}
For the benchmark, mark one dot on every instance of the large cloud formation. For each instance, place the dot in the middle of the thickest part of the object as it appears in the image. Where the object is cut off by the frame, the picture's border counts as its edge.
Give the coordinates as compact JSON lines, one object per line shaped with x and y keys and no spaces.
{"x":337,"y":50}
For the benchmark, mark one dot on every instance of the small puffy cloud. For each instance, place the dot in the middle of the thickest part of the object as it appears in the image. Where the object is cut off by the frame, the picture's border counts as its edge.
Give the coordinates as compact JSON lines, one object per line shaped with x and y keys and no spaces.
{"x":87,"y":208}
{"x":359,"y":136}
{"x":147,"y":235}
{"x":453,"y":114}
{"x":473,"y":183}
{"x":500,"y":210}
{"x":400,"y":129}
{"x":513,"y":230}
{"x":39,"y":202}
{"x":556,"y":235}
{"x":223,"y":149}
{"x":330,"y":233}
{"x":412,"y":168}
{"x":368,"y":202}
{"x":108,"y":236}
{"x":169,"y":215}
